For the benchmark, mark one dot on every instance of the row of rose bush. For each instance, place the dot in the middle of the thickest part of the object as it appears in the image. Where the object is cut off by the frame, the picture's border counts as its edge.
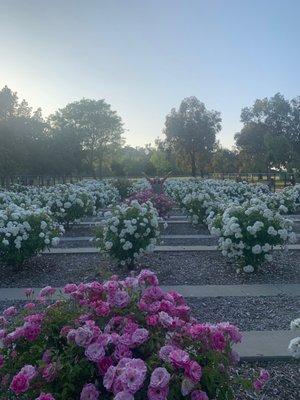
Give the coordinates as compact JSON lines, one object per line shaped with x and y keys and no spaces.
{"x":119,"y":339}
{"x":33,"y":218}
{"x":248,"y":219}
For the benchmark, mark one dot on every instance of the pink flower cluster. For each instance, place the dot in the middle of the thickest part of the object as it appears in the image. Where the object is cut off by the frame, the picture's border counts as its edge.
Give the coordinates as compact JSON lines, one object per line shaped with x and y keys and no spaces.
{"x":132,"y":336}
{"x":161,"y":202}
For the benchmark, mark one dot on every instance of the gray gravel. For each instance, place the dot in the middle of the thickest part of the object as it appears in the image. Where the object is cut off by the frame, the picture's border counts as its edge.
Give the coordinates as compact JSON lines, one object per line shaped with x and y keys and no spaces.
{"x":248,"y":313}
{"x":284,"y":383}
{"x":184,"y":229}
{"x":192,"y":268}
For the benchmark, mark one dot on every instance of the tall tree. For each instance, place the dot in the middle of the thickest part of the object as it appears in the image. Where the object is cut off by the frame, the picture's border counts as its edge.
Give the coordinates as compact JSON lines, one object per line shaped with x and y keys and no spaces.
{"x":191,"y":132}
{"x":97,"y":127}
{"x":224,"y":160}
{"x":275,"y":123}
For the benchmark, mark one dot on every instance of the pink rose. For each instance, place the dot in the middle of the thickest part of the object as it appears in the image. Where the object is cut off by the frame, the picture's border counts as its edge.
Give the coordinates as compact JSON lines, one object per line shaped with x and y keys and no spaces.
{"x":19,"y":383}
{"x":199,"y":395}
{"x":50,"y":372}
{"x":104,"y":364}
{"x":124,"y":395}
{"x":70,"y":288}
{"x":152,"y":320}
{"x":94,"y":352}
{"x":160,"y":378}
{"x":45,"y":396}
{"x":29,"y":371}
{"x":89,"y":392}
{"x":47,"y":291}
{"x":29,"y":306}
{"x":157,"y":393}
{"x":193,"y":371}
{"x":10,"y":312}
{"x":219,"y":341}
{"x":140,"y":336}
{"x":179,"y":358}
{"x":83,"y":336}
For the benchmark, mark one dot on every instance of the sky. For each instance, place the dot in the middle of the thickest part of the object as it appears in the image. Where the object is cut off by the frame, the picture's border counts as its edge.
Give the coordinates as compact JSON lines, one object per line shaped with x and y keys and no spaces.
{"x":144,"y":56}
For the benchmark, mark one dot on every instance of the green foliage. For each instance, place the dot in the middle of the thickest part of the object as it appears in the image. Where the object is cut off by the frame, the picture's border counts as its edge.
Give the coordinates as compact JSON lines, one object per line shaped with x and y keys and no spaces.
{"x":191,"y":132}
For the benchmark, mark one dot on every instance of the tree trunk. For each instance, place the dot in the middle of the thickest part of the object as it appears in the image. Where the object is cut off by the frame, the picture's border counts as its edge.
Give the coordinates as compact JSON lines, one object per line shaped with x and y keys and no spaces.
{"x":193,"y":165}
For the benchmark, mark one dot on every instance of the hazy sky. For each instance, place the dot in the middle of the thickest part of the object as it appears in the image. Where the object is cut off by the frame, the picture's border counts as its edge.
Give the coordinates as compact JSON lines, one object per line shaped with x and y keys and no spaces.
{"x":145,"y":56}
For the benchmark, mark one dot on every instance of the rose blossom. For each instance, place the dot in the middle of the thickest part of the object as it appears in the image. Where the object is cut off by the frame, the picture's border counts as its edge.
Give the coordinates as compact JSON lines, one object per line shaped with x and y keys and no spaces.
{"x":193,"y":371}
{"x":179,"y":358}
{"x":160,"y":378}
{"x":45,"y":396}
{"x":94,"y":352}
{"x":157,"y":393}
{"x":70,"y":288}
{"x":124,"y":395}
{"x":83,"y":336}
{"x":19,"y":383}
{"x":89,"y":392}
{"x":29,"y":371}
{"x":10,"y":312}
{"x":199,"y":395}
{"x":47,"y":291}
{"x":104,"y":364}
{"x":140,"y":336}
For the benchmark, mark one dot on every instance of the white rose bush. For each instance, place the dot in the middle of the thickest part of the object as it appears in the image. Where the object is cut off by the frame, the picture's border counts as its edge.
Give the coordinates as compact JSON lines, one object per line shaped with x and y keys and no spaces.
{"x":25,"y":232}
{"x":294,"y":346}
{"x":247,"y":233}
{"x":128,"y":231}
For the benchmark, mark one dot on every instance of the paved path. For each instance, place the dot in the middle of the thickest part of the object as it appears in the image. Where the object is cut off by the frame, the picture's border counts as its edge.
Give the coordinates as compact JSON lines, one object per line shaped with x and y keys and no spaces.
{"x":265,"y":345}
{"x":198,"y":291}
{"x":85,"y":250}
{"x":87,"y":238}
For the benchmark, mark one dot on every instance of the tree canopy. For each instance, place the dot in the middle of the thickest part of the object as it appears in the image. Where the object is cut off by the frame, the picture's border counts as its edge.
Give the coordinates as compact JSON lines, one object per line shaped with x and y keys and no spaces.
{"x":191,"y":132}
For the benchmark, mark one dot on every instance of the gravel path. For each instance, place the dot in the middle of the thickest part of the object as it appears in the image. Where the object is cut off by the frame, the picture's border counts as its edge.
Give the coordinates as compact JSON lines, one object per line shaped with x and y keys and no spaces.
{"x":211,"y":268}
{"x":284,"y":383}
{"x":248,"y":313}
{"x":191,"y":268}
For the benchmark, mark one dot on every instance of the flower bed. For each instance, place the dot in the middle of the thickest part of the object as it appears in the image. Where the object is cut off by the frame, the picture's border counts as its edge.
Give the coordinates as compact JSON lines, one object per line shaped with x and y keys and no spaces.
{"x":25,"y":232}
{"x":120,"y":340}
{"x":128,"y":231}
{"x":161,"y":202}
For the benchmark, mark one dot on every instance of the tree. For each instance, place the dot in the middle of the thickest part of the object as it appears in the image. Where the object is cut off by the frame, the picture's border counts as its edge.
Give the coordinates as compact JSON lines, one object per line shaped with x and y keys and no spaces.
{"x":224,"y":160}
{"x":191,"y":132}
{"x":22,"y":136}
{"x":277,"y":122}
{"x":96,"y":126}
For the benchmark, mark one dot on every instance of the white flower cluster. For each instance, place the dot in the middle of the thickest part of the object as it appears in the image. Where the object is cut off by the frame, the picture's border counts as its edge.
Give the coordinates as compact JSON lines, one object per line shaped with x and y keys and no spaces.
{"x":139,"y":185}
{"x":248,"y":233}
{"x":294,"y":346}
{"x":25,"y":232}
{"x":128,"y":231}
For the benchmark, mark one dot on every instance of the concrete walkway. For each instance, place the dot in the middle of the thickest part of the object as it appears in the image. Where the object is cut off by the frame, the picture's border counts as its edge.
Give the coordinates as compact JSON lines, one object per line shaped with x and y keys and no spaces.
{"x":198,"y":291}
{"x":85,"y":250}
{"x":269,"y":345}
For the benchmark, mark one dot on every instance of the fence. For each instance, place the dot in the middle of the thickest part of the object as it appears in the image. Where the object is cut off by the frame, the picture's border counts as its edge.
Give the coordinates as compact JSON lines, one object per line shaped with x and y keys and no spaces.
{"x":273,"y":180}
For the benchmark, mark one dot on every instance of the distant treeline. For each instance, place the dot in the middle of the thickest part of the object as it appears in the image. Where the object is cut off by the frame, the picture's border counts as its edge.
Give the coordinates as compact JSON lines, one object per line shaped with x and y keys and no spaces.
{"x":86,"y":137}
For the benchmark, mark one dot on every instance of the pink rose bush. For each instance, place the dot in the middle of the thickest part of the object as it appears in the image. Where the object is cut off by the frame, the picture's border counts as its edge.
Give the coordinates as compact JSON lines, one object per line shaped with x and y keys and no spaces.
{"x":161,"y":202}
{"x":116,"y":340}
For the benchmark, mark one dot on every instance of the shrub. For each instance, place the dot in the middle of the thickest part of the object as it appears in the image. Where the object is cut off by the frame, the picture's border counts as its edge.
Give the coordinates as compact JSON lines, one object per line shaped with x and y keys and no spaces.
{"x":294,"y":346}
{"x":24,"y":233}
{"x":161,"y":202}
{"x":68,"y":203}
{"x":123,"y":186}
{"x":120,"y":340}
{"x":248,"y":233}
{"x":128,"y":231}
